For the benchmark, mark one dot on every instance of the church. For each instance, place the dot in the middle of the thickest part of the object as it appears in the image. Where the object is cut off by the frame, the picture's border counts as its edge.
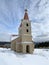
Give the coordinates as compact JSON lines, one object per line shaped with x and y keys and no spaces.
{"x":23,"y":43}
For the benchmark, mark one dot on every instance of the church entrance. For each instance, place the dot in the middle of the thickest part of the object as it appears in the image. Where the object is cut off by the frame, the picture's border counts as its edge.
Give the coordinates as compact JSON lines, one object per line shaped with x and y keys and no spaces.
{"x":27,"y":49}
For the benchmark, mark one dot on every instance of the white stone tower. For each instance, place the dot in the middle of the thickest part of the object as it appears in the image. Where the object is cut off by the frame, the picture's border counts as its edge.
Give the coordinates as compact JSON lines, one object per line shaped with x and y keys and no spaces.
{"x":25,"y":34}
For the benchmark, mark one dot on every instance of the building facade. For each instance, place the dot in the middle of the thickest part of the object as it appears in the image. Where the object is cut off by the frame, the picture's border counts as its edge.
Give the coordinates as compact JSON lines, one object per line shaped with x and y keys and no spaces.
{"x":23,"y":43}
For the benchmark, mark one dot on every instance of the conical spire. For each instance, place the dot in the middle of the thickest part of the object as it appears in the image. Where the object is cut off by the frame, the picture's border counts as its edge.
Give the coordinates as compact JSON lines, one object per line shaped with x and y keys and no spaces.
{"x":26,"y":15}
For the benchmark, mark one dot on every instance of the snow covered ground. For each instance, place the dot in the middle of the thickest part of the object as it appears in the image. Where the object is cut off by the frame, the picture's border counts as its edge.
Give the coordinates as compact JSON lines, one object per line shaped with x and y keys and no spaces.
{"x":39,"y":57}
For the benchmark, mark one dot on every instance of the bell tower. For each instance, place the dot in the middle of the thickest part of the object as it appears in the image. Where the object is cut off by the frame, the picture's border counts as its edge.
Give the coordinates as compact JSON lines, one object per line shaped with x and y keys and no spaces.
{"x":25,"y":28}
{"x":25,"y":34}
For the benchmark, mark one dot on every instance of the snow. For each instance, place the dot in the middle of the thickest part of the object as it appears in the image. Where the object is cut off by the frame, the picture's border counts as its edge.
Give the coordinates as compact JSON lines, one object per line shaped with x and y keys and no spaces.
{"x":9,"y":57}
{"x":14,"y":37}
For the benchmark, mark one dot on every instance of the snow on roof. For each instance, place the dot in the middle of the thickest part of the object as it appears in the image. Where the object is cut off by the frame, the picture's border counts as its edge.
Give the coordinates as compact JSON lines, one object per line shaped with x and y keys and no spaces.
{"x":14,"y":37}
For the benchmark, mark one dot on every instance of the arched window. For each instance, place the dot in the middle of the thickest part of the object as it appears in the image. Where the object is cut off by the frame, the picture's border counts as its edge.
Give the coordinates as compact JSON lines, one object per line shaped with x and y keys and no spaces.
{"x":27,"y":24}
{"x":27,"y":30}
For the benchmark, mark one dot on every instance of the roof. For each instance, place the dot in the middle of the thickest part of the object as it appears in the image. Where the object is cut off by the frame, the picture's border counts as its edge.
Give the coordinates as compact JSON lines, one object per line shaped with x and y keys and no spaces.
{"x":26,"y":15}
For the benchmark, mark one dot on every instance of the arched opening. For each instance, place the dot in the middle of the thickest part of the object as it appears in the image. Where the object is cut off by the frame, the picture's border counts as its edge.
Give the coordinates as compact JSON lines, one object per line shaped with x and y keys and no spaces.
{"x":27,"y":25}
{"x":27,"y":30}
{"x":27,"y":49}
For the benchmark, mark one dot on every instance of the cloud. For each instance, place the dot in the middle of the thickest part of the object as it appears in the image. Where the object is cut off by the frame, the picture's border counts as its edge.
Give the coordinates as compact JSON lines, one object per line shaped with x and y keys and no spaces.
{"x":12,"y":11}
{"x":5,"y":37}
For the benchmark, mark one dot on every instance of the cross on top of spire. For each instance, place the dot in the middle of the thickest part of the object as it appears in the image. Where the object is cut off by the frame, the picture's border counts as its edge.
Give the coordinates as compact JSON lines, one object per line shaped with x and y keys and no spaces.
{"x":26,"y":15}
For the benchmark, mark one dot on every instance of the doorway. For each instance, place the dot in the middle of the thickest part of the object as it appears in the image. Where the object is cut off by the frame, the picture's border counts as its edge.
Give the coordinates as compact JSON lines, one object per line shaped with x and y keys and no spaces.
{"x":27,"y":49}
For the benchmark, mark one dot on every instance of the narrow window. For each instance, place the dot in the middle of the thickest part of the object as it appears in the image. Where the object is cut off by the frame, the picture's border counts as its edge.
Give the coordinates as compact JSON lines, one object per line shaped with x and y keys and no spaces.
{"x":27,"y":30}
{"x":27,"y":24}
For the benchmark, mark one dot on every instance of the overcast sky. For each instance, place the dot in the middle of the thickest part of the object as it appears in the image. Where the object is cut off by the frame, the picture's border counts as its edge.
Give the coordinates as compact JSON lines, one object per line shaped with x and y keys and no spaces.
{"x":12,"y":11}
